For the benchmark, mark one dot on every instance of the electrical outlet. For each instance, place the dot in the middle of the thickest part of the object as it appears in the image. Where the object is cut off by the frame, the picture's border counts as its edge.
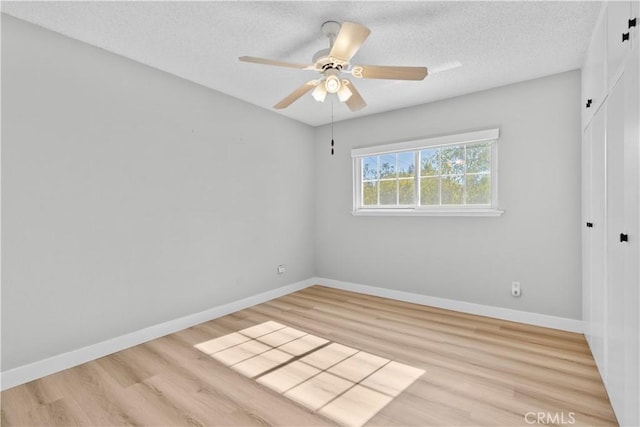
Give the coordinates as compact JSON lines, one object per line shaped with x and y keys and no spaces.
{"x":515,"y":289}
{"x":281,"y":269}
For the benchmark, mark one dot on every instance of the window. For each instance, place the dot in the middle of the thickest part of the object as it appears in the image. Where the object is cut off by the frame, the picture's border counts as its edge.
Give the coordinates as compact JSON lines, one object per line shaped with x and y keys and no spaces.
{"x":450,"y":175}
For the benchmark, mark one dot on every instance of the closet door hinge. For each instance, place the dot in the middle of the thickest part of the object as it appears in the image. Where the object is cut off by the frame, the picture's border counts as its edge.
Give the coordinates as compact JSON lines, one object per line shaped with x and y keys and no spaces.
{"x":632,"y":23}
{"x":624,"y":237}
{"x":589,"y":225}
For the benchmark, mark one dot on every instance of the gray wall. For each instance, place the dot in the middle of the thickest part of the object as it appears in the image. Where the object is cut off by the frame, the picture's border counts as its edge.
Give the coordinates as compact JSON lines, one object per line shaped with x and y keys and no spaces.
{"x":536,"y":241}
{"x":131,"y":197}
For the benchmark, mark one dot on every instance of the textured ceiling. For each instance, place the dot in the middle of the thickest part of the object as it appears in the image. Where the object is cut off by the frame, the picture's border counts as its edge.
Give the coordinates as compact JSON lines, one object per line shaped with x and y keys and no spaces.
{"x":468,"y":46}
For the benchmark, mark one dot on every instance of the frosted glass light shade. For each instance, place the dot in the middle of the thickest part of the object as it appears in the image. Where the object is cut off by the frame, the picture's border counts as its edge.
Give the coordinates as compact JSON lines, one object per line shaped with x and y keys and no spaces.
{"x":319,"y":93}
{"x":344,"y":93}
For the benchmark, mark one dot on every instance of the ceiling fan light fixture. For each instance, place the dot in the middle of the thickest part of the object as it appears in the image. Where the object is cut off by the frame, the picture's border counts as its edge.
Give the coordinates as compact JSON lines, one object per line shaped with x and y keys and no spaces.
{"x":344,"y":93}
{"x":319,"y":93}
{"x":332,"y":84}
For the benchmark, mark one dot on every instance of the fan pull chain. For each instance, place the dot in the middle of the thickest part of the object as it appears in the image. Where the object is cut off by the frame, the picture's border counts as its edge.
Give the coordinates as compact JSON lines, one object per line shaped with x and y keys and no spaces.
{"x":332,"y":128}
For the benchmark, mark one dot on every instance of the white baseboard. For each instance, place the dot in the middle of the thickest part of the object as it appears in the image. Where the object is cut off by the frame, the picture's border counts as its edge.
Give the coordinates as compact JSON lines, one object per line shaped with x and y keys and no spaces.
{"x":33,"y":371}
{"x":562,"y":323}
{"x":39,"y":369}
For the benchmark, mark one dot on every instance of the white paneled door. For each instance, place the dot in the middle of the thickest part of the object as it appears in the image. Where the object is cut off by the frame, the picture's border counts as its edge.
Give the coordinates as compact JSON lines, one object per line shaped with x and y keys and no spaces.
{"x":587,"y":227}
{"x":598,"y":238}
{"x":615,"y":345}
{"x":632,"y":228}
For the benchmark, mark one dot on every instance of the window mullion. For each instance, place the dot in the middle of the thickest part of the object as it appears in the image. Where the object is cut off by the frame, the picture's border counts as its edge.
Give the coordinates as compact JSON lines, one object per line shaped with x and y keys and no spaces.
{"x":397,"y":183}
{"x":464,"y":176}
{"x":360,"y":197}
{"x":378,"y":178}
{"x":416,"y":173}
{"x":439,"y":176}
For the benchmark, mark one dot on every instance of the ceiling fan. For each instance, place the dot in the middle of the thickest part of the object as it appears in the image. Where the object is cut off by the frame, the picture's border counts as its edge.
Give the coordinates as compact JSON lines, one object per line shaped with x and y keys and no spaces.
{"x":344,"y":42}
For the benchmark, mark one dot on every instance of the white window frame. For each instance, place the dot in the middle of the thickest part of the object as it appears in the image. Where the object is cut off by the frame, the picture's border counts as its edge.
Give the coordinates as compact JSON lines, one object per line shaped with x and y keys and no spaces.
{"x":489,"y":135}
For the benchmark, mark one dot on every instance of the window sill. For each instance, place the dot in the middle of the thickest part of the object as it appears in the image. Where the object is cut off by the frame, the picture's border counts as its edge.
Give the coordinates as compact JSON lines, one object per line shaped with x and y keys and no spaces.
{"x":424,"y":212}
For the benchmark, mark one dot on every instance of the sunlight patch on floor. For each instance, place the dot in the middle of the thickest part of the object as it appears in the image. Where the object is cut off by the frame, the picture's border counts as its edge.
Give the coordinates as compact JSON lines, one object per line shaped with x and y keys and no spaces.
{"x":342,"y":383}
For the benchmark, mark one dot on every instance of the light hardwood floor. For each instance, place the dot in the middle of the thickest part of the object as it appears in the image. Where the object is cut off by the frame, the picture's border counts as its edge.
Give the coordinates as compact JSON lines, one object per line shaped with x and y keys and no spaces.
{"x":478,"y":371}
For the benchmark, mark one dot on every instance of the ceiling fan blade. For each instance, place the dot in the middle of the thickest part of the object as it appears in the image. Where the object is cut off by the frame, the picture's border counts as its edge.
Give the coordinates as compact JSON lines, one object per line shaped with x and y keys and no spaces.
{"x":389,"y":72}
{"x":276,"y":63}
{"x":348,"y":41}
{"x":293,"y":96}
{"x":355,"y":101}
